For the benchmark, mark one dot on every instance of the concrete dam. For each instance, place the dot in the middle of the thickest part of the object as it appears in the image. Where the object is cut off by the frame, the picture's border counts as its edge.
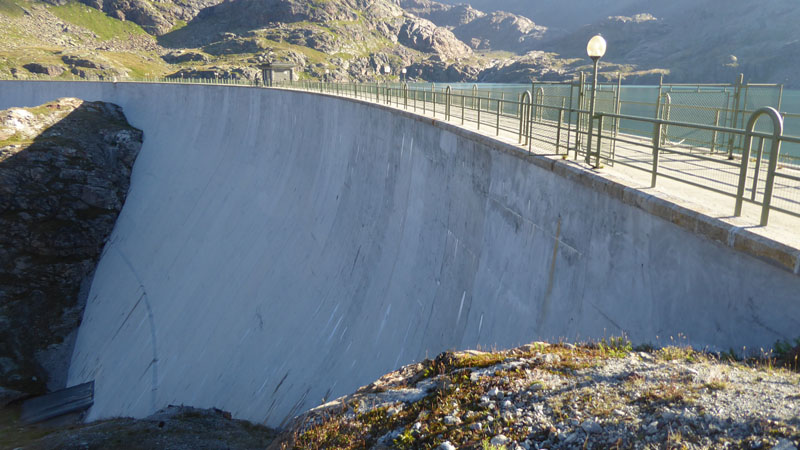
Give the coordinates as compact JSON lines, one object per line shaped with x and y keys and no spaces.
{"x":280,"y":248}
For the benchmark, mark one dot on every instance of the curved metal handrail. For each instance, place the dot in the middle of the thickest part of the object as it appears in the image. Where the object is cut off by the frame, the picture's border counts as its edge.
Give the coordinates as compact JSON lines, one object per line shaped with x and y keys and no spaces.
{"x":525,"y":110}
{"x":777,"y":131}
{"x":539,"y":100}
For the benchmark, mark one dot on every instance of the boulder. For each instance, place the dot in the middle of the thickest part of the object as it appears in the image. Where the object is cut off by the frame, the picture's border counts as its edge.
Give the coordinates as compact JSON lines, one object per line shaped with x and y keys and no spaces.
{"x":45,"y":69}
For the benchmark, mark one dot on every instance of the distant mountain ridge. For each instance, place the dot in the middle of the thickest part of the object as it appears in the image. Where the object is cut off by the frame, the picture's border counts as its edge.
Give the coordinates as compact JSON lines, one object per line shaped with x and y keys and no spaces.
{"x":707,"y":41}
{"x":441,"y":41}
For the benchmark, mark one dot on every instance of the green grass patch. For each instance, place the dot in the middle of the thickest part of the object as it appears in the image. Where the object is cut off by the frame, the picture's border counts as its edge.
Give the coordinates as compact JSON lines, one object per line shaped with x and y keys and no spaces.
{"x":674,"y":352}
{"x":615,"y":347}
{"x":95,"y":21}
{"x":10,"y":8}
{"x":178,"y":25}
{"x":138,"y":65}
{"x":16,"y":58}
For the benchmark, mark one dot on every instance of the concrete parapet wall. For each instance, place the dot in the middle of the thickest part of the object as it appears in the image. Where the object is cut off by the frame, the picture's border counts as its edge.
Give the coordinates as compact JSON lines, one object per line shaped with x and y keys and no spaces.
{"x":280,"y":248}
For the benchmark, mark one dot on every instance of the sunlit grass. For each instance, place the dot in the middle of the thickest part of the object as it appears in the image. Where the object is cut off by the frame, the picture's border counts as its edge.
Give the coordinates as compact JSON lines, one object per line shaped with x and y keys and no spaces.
{"x":95,"y":21}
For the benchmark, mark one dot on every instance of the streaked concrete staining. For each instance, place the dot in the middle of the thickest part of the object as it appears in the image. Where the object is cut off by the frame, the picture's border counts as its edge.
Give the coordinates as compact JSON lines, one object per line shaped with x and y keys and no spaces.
{"x":280,"y":248}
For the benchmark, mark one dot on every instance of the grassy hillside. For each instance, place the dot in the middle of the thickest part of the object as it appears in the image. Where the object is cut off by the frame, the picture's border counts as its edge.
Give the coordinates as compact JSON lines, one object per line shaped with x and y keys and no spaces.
{"x":95,"y":21}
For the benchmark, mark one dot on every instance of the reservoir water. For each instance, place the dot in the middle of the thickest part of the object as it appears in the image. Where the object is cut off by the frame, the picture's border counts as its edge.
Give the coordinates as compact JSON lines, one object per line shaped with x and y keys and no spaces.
{"x":707,"y":105}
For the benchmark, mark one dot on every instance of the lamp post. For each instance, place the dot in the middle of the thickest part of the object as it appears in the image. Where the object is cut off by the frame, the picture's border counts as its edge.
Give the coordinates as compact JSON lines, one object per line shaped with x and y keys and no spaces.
{"x":596,"y":48}
{"x":404,"y":71}
{"x":386,"y":69}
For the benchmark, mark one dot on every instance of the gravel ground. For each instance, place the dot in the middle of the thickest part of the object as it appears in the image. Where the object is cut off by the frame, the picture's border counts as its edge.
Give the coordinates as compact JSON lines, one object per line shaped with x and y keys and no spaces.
{"x":562,"y":396}
{"x":174,"y":428}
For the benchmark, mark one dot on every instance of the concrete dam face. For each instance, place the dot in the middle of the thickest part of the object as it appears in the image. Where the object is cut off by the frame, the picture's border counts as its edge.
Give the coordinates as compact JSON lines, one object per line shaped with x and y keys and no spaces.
{"x":280,"y":248}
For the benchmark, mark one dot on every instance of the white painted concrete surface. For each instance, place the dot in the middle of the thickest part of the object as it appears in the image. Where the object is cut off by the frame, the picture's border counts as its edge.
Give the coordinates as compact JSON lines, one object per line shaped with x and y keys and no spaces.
{"x":280,"y":248}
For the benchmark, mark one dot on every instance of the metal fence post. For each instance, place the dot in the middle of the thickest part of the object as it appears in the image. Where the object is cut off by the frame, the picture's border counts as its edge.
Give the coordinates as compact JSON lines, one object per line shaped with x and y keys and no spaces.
{"x":617,"y":109}
{"x":658,"y":99}
{"x":714,"y":133}
{"x":560,"y":123}
{"x":447,"y":94}
{"x":463,"y":100}
{"x":599,"y":140}
{"x":497,"y":126}
{"x":529,"y":119}
{"x":479,"y":113}
{"x":737,"y":94}
{"x":665,"y":116}
{"x":656,"y":145}
{"x":580,"y":115}
{"x":569,"y":118}
{"x":539,"y":102}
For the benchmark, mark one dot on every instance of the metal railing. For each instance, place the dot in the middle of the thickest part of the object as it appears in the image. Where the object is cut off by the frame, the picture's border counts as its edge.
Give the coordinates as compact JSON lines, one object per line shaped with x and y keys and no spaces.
{"x":560,"y":124}
{"x":749,"y":175}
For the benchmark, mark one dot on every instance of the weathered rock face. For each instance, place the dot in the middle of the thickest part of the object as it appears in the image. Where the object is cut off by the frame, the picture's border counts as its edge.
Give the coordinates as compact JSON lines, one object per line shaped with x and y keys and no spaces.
{"x":425,"y":36}
{"x":533,"y":65}
{"x":442,"y":72}
{"x":156,"y":18}
{"x":501,"y":31}
{"x":214,"y":72}
{"x":64,"y":174}
{"x":45,"y":69}
{"x":449,"y":16}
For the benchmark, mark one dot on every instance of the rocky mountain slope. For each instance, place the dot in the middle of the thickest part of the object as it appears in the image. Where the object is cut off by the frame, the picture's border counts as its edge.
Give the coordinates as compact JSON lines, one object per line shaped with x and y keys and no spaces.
{"x":709,"y":41}
{"x":331,"y":40}
{"x":702,"y":41}
{"x":353,"y":37}
{"x":497,"y":30}
{"x":64,"y":175}
{"x":446,"y":41}
{"x":156,"y":18}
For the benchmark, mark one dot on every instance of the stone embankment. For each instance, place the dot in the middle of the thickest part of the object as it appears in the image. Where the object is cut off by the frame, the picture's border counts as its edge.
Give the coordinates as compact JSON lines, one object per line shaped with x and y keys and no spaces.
{"x":601,"y":395}
{"x":64,"y":173}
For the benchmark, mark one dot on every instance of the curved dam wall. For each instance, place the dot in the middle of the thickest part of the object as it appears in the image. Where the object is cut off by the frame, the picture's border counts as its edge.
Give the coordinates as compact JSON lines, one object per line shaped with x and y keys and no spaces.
{"x":280,"y":248}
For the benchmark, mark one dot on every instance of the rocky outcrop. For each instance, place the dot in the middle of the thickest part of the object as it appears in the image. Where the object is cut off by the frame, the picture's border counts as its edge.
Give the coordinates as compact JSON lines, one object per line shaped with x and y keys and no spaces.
{"x":501,"y":31}
{"x":64,"y":175}
{"x":450,"y":16}
{"x":215,"y":72}
{"x":44,"y":69}
{"x":85,"y":64}
{"x":156,"y":18}
{"x":178,"y":56}
{"x":425,"y":36}
{"x":442,"y":72}
{"x":343,"y":40}
{"x":533,"y":65}
{"x":498,"y":30}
